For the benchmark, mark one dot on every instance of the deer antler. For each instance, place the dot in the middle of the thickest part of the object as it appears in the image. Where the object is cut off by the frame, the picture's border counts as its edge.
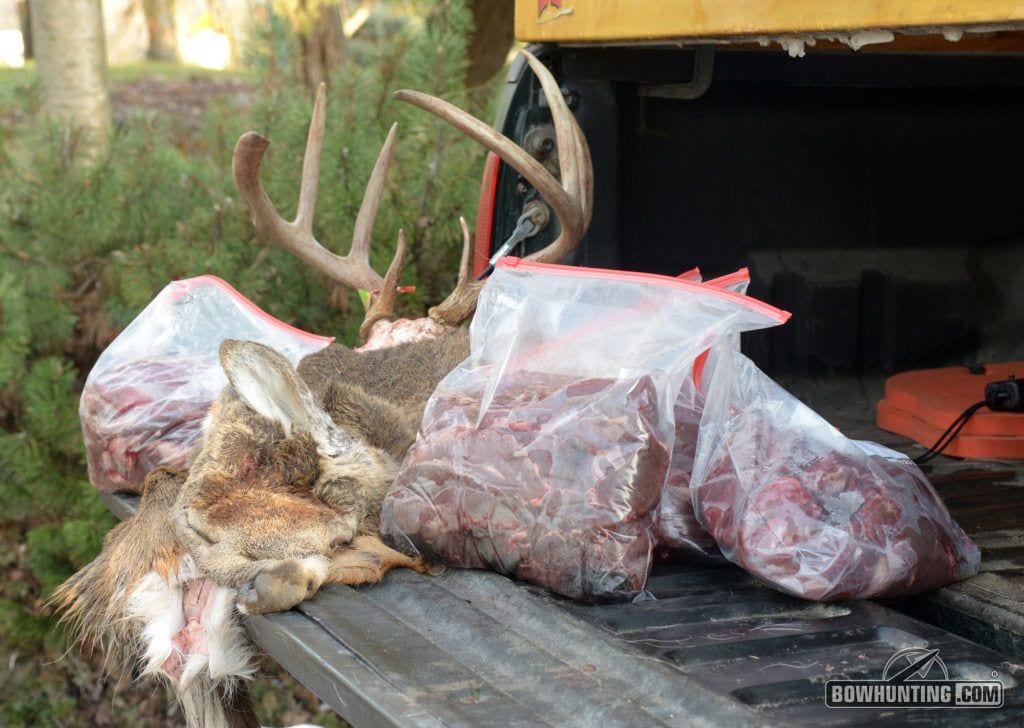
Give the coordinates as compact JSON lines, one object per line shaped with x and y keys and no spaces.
{"x":352,"y":269}
{"x":382,"y":305}
{"x":572,"y":200}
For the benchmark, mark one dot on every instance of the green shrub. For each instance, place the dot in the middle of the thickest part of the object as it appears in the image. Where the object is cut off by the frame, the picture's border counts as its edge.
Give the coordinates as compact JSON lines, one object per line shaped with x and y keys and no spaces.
{"x":83,"y":250}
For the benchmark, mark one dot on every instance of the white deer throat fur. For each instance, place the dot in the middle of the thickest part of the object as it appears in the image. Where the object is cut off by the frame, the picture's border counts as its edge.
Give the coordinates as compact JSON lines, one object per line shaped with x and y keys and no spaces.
{"x":190,"y":628}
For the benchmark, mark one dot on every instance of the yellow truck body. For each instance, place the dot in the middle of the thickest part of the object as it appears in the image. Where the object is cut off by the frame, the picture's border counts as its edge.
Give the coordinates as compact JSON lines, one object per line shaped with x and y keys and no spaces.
{"x":591,"y":21}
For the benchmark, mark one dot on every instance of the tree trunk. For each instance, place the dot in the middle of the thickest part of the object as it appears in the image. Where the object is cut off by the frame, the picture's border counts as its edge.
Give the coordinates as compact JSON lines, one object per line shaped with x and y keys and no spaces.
{"x":317,"y":28}
{"x":229,"y":24}
{"x":163,"y":39}
{"x":71,"y":56}
{"x":493,"y":22}
{"x":320,"y":49}
{"x":26,"y":27}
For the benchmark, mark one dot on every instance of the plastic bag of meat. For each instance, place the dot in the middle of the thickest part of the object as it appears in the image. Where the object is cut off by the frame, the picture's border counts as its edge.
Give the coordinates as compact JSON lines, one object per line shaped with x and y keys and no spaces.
{"x":544,"y":454}
{"x":815,"y":514}
{"x":675,"y":525}
{"x":144,"y":401}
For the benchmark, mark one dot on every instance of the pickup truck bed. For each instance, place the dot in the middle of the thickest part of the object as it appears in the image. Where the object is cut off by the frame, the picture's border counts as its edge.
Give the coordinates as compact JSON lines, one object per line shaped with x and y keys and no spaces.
{"x":713,"y":647}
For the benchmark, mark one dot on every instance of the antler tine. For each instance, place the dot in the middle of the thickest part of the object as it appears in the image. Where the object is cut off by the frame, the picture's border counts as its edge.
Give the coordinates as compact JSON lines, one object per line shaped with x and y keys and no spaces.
{"x":562,"y":120}
{"x":297,"y":236}
{"x":572,"y":201}
{"x":461,"y":302}
{"x":573,"y":161}
{"x":309,"y":184}
{"x":465,"y":263}
{"x":564,"y":206}
{"x":372,"y":196}
{"x":382,"y":304}
{"x":586,"y":172}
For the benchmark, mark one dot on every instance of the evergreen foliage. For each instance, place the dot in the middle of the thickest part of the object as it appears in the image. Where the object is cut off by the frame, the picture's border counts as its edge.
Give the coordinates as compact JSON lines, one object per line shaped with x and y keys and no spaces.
{"x":84,"y":249}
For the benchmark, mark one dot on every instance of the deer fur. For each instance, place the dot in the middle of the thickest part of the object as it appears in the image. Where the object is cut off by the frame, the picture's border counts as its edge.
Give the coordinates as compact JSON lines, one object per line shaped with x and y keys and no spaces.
{"x":319,"y":447}
{"x":129,"y":602}
{"x":283,"y":496}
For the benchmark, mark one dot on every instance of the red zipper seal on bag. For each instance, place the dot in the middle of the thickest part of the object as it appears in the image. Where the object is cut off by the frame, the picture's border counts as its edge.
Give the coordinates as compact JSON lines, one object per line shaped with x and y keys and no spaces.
{"x":730,"y":279}
{"x":726,"y":281}
{"x":188,"y":284}
{"x":716,"y":287}
{"x":708,"y":288}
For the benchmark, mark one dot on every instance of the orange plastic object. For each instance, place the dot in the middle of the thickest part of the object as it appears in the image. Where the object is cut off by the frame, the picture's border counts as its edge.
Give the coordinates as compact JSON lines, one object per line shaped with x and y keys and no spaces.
{"x":922,"y":404}
{"x":485,"y":214}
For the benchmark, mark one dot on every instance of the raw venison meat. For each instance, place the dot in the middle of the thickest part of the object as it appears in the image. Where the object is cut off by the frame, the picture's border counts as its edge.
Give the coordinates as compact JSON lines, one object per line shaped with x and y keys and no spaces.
{"x":556,"y":484}
{"x":815,"y":514}
{"x":144,"y":401}
{"x":138,"y":417}
{"x":675,"y":524}
{"x":543,"y":455}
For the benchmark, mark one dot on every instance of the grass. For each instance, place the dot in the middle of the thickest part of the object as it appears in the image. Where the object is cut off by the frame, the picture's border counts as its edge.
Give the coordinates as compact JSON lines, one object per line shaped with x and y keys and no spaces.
{"x":17,"y":84}
{"x":131,"y":72}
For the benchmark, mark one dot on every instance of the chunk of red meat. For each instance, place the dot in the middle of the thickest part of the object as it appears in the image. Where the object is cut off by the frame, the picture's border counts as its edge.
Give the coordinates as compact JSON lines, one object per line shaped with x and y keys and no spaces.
{"x":675,"y":523}
{"x":844,"y":525}
{"x":555,"y":483}
{"x":139,"y":417}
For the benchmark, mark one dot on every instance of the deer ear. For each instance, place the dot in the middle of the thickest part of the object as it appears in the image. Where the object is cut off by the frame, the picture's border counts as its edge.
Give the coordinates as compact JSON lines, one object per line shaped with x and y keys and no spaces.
{"x":267,"y":383}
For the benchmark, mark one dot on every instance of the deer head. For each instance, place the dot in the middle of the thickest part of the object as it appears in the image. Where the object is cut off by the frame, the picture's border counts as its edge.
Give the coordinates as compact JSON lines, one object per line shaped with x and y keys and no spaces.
{"x":270,"y":451}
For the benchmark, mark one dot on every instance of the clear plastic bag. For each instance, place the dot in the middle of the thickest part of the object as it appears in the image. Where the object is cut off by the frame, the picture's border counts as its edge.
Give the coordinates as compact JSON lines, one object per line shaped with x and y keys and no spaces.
{"x":816,"y":515}
{"x":675,"y":525}
{"x":144,"y":401}
{"x":544,"y":454}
